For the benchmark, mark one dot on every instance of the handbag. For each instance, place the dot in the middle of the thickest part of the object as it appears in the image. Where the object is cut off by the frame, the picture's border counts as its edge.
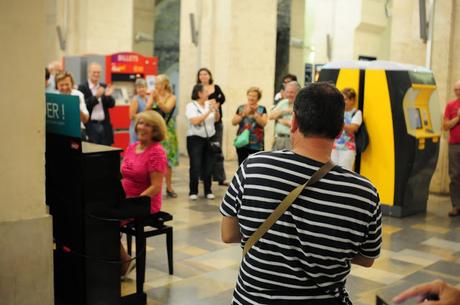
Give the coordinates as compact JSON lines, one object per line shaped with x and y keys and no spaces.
{"x":361,"y":137}
{"x":213,"y":146}
{"x":282,"y":207}
{"x":242,"y":139}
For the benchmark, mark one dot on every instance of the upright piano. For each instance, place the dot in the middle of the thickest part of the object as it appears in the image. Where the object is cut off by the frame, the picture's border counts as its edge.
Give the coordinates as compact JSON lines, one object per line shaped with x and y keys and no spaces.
{"x":87,"y":202}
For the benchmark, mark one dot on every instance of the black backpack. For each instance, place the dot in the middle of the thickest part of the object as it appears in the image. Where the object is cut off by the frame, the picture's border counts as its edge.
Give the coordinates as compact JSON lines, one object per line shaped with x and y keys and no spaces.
{"x":361,"y":137}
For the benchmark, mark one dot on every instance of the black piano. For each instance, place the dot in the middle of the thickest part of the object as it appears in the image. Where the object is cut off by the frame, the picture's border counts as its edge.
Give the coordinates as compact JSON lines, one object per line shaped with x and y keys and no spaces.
{"x":87,"y":202}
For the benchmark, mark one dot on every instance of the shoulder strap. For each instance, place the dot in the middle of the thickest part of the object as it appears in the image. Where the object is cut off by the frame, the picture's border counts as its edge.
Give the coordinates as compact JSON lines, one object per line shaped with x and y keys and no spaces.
{"x":284,"y":205}
{"x":170,"y":115}
{"x":204,"y":121}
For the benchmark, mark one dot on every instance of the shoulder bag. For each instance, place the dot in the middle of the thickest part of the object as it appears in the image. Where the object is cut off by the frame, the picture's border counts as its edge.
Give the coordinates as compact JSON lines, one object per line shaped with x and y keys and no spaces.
{"x":361,"y":137}
{"x":213,"y":146}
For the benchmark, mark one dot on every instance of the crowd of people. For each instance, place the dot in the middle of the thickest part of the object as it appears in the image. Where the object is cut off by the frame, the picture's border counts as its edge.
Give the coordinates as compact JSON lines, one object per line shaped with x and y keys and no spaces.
{"x":314,"y":126}
{"x":204,"y":115}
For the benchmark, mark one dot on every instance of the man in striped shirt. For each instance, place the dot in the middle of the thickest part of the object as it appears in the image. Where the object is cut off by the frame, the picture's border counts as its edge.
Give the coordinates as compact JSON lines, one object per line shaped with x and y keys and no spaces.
{"x":305,"y":257}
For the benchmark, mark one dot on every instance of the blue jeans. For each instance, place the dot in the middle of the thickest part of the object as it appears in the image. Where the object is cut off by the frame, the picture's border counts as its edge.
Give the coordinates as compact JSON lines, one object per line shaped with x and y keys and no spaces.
{"x":201,"y":164}
{"x":243,"y":153}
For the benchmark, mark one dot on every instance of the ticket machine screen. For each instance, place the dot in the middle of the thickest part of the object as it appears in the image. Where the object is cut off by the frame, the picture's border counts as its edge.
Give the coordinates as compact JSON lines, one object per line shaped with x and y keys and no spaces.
{"x":414,"y":118}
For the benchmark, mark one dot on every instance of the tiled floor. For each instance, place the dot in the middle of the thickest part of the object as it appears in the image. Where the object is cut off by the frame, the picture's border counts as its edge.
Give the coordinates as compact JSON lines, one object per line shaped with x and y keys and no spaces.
{"x":415,"y":249}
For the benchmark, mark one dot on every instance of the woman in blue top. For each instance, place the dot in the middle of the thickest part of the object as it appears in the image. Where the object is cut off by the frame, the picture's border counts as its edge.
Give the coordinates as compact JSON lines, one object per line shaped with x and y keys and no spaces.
{"x":253,"y":117}
{"x":137,"y":105}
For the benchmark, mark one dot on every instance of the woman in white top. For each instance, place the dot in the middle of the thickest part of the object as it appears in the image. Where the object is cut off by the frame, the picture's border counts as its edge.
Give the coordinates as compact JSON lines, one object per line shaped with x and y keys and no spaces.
{"x":201,"y":115}
{"x":344,"y":149}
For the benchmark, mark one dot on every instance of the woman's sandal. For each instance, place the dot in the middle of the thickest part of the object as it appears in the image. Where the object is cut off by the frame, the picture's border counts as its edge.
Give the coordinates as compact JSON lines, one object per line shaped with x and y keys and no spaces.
{"x":131,"y":267}
{"x":171,"y":194}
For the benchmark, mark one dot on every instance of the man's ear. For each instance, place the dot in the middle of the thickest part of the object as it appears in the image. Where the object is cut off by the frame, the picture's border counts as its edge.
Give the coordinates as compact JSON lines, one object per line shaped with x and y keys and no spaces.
{"x":294,"y":124}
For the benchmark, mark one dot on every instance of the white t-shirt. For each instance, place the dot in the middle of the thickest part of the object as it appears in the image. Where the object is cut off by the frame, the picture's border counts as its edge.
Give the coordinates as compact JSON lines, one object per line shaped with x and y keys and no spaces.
{"x":193,"y":110}
{"x":83,"y":108}
{"x":98,"y":111}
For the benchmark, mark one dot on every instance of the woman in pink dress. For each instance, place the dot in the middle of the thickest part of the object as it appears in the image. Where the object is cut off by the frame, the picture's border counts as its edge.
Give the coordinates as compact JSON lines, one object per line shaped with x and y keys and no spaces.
{"x":143,"y":167}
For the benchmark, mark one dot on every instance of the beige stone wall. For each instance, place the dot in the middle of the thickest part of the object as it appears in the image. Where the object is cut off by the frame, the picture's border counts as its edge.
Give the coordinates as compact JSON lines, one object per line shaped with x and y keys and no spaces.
{"x":237,"y":42}
{"x":372,"y":35}
{"x":407,"y":47}
{"x":329,"y":19}
{"x":25,"y":227}
{"x":143,"y":22}
{"x":356,"y":27}
{"x":92,"y":26}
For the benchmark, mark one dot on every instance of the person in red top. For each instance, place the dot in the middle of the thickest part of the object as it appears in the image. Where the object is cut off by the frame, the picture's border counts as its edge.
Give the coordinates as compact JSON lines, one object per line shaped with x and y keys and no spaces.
{"x":451,"y":122}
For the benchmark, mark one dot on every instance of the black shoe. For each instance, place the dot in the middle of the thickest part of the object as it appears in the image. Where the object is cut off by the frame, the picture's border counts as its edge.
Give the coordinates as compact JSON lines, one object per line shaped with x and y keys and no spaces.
{"x":223,"y":183}
{"x":171,"y":194}
{"x":454,"y":212}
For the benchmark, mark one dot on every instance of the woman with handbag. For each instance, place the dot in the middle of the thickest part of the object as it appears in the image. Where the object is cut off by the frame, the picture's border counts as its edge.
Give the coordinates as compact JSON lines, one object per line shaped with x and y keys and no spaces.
{"x":251,"y":119}
{"x":344,"y":149}
{"x":204,"y":76}
{"x":201,"y":115}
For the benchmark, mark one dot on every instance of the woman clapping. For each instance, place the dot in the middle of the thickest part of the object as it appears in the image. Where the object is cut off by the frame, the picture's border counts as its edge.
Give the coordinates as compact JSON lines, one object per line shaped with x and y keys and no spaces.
{"x":201,"y":115}
{"x":253,"y":117}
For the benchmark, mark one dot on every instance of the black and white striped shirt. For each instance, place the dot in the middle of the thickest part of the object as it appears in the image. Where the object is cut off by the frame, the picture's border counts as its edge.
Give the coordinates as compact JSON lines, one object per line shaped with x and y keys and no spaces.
{"x":307,"y":253}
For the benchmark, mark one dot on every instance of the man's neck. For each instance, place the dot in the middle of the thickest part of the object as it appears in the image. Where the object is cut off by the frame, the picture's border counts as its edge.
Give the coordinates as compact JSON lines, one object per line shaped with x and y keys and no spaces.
{"x":315,"y":148}
{"x":93,"y":83}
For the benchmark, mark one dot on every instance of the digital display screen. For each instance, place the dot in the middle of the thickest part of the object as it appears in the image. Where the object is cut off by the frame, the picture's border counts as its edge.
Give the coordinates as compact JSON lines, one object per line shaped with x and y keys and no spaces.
{"x":426,"y":78}
{"x":415,"y":118}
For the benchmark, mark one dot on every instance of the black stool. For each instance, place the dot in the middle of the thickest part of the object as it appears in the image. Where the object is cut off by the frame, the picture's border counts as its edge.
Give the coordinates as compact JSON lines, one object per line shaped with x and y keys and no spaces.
{"x":148,"y":226}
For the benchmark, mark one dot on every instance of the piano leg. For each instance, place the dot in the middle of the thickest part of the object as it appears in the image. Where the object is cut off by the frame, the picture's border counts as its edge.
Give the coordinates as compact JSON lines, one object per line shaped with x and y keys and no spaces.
{"x":169,"y":246}
{"x":141,"y":257}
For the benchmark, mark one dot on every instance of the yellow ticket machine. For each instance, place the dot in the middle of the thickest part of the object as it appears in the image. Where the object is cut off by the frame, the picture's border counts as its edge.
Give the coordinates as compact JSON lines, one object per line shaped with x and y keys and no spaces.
{"x":402,"y":115}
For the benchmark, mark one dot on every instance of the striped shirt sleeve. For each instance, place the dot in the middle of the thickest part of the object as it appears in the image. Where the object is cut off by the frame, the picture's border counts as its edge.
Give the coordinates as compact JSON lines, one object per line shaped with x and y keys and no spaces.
{"x":371,"y":246}
{"x":232,"y":200}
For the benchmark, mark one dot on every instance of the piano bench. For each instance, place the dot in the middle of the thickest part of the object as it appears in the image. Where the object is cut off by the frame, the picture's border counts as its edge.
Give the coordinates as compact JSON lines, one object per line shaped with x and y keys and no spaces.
{"x":153,"y":225}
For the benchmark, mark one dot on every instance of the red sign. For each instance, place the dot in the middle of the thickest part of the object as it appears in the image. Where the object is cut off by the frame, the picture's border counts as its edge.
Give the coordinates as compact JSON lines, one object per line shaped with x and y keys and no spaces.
{"x":130,"y":63}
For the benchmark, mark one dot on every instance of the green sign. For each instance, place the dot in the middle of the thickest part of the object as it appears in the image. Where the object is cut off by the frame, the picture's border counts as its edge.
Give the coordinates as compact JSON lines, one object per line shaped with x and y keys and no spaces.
{"x":63,"y":115}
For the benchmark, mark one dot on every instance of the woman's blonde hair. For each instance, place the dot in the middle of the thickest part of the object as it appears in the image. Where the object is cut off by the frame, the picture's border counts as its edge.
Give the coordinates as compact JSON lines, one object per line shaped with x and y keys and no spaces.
{"x":256,"y":90}
{"x":164,"y":79}
{"x":157,"y":122}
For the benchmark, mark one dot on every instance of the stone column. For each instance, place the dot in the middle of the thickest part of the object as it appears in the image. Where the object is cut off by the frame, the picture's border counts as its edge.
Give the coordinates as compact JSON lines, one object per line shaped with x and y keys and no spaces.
{"x":236,"y":41}
{"x":296,"y":52}
{"x":25,"y":227}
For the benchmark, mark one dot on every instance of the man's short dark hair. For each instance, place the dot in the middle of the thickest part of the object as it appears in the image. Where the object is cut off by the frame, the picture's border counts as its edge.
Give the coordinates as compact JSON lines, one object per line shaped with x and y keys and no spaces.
{"x":319,"y":109}
{"x":290,"y":77}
